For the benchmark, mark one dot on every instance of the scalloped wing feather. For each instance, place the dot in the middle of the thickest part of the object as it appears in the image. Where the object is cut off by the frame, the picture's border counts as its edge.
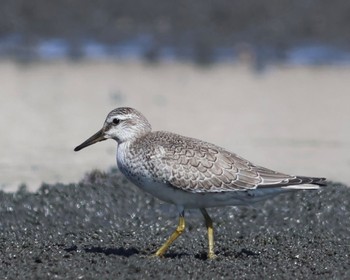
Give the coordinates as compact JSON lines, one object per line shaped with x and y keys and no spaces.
{"x":196,"y":166}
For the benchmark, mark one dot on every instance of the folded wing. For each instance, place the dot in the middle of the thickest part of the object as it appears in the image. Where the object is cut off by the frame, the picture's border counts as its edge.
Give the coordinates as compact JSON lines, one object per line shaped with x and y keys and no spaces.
{"x":198,"y":166}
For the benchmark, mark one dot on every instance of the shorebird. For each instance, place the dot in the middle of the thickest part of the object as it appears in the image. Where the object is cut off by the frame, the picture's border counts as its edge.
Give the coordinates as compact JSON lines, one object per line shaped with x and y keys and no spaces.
{"x":188,"y":172}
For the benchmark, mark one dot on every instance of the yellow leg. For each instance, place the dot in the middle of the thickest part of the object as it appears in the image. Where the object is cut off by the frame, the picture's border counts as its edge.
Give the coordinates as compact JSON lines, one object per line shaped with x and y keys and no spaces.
{"x":179,"y":230}
{"x":209,"y":225}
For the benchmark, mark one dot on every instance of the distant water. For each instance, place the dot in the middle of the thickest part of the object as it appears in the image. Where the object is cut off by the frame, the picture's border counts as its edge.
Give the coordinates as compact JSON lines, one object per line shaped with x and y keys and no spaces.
{"x":145,"y":47}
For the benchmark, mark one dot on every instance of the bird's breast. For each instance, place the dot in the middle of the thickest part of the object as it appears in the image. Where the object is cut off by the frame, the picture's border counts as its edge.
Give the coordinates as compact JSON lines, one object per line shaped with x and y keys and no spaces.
{"x":133,"y":165}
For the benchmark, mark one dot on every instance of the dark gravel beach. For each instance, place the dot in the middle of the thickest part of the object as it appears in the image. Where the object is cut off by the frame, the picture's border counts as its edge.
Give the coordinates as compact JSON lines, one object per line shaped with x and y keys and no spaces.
{"x":104,"y":227}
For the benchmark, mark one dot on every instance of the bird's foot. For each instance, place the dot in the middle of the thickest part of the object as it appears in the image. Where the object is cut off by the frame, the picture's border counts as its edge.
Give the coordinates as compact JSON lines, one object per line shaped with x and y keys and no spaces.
{"x":212,"y":256}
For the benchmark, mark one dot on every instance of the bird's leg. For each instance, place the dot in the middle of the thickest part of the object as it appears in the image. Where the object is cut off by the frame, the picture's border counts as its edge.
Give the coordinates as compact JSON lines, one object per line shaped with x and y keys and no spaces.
{"x":179,"y":230}
{"x":209,"y":225}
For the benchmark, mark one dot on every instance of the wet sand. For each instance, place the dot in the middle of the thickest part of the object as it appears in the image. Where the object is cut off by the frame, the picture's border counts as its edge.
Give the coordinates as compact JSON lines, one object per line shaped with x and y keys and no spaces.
{"x":105,"y":228}
{"x":292,"y":119}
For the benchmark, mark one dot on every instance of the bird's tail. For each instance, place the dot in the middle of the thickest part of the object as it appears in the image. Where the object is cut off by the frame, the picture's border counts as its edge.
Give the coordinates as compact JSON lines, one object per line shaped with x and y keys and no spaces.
{"x":305,"y":183}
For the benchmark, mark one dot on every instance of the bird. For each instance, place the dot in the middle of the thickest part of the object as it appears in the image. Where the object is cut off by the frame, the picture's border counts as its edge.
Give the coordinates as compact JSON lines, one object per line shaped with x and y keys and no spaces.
{"x":190,"y":173}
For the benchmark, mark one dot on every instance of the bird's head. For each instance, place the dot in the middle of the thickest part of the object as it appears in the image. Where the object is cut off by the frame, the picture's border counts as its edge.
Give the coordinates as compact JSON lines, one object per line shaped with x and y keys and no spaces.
{"x":122,"y":124}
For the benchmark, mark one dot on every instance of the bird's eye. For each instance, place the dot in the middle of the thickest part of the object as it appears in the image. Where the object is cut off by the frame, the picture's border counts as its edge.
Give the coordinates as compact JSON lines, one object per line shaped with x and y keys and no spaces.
{"x":116,"y":121}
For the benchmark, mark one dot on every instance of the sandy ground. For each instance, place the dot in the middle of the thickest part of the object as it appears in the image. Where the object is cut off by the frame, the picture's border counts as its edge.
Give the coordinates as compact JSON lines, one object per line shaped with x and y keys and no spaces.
{"x":293,"y":119}
{"x":105,"y":228}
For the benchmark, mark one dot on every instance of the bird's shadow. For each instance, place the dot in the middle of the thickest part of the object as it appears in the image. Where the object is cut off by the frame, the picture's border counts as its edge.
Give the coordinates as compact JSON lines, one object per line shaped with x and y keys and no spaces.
{"x":175,"y":255}
{"x":133,"y":251}
{"x":107,"y":251}
{"x":244,"y":253}
{"x":113,"y":251}
{"x":203,"y":256}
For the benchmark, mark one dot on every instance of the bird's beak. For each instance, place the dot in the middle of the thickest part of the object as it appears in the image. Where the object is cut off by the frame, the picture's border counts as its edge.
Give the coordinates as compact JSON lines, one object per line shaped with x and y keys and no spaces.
{"x":97,"y":137}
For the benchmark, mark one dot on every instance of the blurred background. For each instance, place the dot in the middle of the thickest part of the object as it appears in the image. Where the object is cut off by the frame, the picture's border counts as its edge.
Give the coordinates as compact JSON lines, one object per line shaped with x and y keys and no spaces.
{"x":268,"y":80}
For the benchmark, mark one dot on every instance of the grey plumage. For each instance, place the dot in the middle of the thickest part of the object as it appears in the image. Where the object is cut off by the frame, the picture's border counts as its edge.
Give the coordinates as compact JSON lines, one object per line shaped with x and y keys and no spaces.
{"x":188,"y":172}
{"x":197,"y":166}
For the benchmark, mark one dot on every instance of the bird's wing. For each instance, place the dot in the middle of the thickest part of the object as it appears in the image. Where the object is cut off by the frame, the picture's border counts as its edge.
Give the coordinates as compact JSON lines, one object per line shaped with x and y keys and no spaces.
{"x":196,"y":166}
